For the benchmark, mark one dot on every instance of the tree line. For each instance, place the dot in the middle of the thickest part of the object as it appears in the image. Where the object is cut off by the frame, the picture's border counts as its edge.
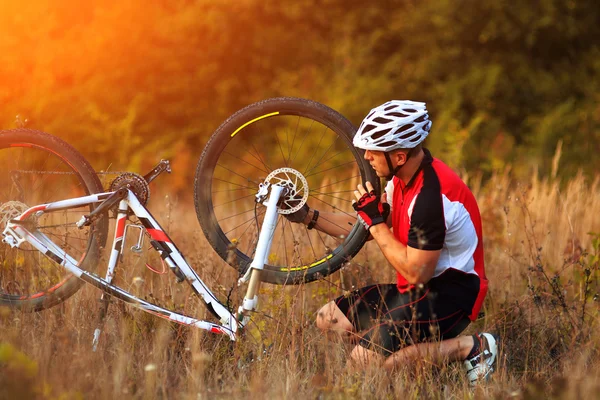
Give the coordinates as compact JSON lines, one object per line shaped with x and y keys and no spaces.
{"x":127,"y":81}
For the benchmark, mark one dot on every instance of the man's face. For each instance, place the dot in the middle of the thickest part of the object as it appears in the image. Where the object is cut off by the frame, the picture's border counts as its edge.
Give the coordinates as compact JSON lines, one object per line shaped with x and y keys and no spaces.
{"x":377,"y":161}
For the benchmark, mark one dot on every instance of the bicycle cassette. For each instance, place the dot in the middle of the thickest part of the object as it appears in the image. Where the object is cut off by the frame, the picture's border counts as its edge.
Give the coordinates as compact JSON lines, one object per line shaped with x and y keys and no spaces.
{"x":11,"y":210}
{"x":134,"y":182}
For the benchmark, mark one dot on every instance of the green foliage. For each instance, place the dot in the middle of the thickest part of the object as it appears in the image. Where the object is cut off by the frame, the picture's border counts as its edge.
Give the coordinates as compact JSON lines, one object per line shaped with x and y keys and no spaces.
{"x":504,"y":82}
{"x":17,"y":374}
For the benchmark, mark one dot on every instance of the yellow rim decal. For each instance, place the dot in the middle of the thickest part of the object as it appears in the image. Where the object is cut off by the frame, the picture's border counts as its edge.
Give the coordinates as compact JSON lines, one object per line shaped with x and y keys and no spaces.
{"x":321,"y":261}
{"x":254,"y":120}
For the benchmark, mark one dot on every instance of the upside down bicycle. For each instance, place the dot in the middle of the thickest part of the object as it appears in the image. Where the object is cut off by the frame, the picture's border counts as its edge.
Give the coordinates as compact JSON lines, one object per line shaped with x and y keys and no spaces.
{"x":265,"y":161}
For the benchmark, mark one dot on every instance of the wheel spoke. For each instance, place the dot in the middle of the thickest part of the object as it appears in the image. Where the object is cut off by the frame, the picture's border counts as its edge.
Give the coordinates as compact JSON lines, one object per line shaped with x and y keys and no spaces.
{"x":235,"y":173}
{"x":307,"y":173}
{"x":244,"y":161}
{"x":233,"y":183}
{"x":335,"y":197}
{"x":259,"y":158}
{"x":234,"y":200}
{"x":314,"y":153}
{"x":305,"y":141}
{"x":243,"y":223}
{"x":329,"y":169}
{"x":336,"y":182}
{"x":235,"y":215}
{"x":42,"y":169}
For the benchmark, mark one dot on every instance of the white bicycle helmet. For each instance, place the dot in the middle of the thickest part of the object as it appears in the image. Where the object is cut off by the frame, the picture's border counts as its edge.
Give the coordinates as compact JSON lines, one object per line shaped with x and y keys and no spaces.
{"x":397,"y":124}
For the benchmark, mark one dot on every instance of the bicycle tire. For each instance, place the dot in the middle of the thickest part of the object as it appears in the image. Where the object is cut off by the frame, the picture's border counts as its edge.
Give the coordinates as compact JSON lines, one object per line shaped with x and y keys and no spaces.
{"x":223,"y":142}
{"x":56,"y":166}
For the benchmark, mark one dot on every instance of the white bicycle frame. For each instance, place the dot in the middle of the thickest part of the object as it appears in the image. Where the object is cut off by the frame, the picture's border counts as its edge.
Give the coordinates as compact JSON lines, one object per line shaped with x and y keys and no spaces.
{"x":18,"y":232}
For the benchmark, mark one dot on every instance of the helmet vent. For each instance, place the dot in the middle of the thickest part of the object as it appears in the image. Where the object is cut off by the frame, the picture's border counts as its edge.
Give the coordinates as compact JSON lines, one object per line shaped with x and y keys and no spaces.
{"x":368,"y":128}
{"x":397,"y":124}
{"x":379,"y":134}
{"x":396,"y":114}
{"x":404,"y":129}
{"x":389,"y":144}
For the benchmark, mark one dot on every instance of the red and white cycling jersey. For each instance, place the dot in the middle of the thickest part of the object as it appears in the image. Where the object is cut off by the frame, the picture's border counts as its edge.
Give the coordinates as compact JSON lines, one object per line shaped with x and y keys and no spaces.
{"x":437,"y":211}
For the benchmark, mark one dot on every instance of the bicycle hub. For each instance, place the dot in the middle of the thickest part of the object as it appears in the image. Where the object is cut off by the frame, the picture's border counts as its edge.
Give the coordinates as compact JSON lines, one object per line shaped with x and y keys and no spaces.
{"x":295,"y":192}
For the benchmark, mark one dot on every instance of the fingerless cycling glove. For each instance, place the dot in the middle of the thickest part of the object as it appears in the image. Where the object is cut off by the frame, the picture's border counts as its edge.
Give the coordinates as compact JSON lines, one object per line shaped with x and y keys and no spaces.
{"x":371,"y":211}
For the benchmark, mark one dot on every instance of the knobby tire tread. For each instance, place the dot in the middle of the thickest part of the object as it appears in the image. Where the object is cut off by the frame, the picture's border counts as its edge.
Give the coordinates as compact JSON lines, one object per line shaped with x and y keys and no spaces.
{"x":99,"y":230}
{"x":210,"y":155}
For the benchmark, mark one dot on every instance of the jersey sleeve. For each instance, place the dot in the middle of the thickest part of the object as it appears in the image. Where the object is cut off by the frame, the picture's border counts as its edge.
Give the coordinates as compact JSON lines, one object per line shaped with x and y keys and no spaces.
{"x":427,"y":224}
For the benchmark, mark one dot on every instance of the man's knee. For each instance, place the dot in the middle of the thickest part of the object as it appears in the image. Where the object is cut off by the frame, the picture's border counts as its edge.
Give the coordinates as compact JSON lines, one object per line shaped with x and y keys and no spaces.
{"x":325,"y":316}
{"x":330,"y":317}
{"x":361,"y":357}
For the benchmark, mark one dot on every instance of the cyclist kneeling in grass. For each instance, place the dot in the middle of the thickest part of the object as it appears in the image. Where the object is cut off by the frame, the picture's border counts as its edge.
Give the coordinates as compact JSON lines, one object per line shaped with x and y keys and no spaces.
{"x":436,"y":248}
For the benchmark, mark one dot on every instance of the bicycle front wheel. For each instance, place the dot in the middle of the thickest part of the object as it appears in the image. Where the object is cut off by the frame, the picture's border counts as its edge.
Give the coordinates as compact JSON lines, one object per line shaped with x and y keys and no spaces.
{"x":38,"y":168}
{"x":301,"y":142}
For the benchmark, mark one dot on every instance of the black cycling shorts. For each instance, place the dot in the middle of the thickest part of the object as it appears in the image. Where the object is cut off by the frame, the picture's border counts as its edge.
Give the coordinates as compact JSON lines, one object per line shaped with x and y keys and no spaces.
{"x":388,"y":320}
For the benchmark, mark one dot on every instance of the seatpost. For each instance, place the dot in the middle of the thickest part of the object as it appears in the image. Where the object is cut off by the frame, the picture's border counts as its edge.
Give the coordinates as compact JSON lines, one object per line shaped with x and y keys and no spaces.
{"x":262,"y":253}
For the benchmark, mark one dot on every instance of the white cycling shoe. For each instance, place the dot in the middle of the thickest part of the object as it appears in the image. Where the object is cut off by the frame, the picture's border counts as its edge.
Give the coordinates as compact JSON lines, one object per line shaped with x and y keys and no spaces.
{"x":480,"y":367}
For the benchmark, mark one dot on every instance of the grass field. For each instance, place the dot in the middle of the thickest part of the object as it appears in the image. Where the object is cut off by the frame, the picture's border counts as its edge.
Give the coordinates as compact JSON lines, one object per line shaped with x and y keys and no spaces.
{"x":542,"y":260}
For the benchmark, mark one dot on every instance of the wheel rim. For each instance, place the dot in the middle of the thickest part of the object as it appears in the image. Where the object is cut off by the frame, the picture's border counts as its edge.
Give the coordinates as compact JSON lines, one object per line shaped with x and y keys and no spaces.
{"x":323,"y":156}
{"x":34,"y":174}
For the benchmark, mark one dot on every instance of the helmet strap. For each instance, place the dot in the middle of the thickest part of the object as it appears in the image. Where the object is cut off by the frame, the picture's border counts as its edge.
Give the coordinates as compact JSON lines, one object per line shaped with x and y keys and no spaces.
{"x":394,"y":171}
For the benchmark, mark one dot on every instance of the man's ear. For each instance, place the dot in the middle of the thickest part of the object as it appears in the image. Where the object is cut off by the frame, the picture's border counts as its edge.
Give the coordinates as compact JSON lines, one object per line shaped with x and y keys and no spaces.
{"x":399,"y":157}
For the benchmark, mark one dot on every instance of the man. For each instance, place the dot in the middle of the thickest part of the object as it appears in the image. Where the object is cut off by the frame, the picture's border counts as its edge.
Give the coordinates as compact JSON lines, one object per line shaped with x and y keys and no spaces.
{"x":436,"y":249}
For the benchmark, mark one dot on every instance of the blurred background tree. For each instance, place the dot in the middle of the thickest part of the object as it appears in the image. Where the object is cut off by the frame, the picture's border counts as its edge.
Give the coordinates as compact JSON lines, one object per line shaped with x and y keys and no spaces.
{"x":128,"y":82}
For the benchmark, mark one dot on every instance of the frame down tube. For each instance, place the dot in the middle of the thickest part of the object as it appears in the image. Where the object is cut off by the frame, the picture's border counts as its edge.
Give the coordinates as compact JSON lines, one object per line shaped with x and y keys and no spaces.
{"x":177,"y":263}
{"x":43,"y":244}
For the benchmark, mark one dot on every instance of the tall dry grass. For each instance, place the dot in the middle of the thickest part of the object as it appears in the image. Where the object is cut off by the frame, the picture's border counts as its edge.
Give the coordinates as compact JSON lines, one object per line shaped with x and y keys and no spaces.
{"x":541,"y":261}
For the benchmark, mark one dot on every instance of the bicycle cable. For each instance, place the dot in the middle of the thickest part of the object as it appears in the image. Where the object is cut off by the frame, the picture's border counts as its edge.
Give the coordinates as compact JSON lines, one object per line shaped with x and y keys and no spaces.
{"x":241,"y":273}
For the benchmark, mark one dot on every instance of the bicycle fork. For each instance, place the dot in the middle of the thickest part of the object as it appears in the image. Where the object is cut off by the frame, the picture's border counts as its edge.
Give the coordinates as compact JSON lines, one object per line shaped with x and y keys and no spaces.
{"x":263,"y":247}
{"x":253,"y":274}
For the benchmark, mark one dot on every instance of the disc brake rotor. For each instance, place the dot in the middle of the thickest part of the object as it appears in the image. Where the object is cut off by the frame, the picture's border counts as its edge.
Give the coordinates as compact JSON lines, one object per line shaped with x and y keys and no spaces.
{"x":296,"y":186}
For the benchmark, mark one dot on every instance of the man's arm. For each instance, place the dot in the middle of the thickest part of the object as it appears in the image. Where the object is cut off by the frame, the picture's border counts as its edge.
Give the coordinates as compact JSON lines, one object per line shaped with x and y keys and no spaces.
{"x":417,"y":266}
{"x":333,"y":224}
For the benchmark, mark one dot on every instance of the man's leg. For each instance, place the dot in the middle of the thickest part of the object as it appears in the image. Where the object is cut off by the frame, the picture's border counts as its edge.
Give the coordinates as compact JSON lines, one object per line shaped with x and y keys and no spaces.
{"x":331,"y":318}
{"x":417,"y":318}
{"x":455,"y":349}
{"x":355,"y":311}
{"x":361,"y":358}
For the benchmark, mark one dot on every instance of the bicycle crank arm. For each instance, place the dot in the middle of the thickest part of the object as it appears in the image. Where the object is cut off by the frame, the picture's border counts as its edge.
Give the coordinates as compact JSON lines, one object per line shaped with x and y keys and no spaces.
{"x":163,"y":166}
{"x":107,"y":204}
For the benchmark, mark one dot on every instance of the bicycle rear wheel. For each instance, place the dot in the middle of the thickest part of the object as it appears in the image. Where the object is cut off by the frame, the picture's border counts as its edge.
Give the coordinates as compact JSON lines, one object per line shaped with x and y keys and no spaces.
{"x":281,"y":134}
{"x":38,"y":168}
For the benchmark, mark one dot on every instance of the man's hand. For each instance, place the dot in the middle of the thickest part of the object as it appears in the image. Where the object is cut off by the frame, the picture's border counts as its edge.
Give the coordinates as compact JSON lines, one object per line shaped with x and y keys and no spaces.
{"x":371,"y":211}
{"x":298,"y":216}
